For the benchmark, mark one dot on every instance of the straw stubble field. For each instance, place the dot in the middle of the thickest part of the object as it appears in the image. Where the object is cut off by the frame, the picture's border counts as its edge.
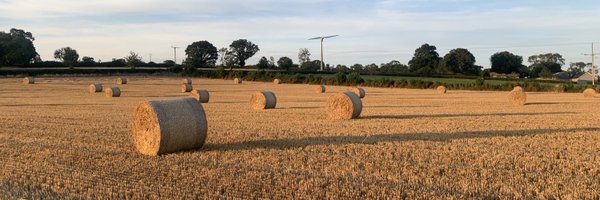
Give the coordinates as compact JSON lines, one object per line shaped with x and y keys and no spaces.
{"x":59,"y":141}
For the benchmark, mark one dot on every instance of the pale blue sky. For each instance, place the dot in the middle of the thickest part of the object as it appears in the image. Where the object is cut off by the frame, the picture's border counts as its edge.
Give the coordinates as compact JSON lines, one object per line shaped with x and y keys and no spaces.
{"x":370,"y":31}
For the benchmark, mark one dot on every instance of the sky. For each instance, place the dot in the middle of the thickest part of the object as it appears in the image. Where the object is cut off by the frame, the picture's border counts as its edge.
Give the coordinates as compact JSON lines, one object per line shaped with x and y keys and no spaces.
{"x":371,"y":31}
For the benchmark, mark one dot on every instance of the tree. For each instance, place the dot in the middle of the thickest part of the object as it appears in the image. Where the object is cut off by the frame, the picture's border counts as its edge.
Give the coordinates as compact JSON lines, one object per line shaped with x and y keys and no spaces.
{"x":551,"y":61}
{"x":425,"y":59}
{"x":169,"y":62}
{"x":87,"y":61}
{"x":577,"y":68}
{"x":133,"y":60}
{"x":67,"y":55}
{"x":393,"y":66}
{"x":16,"y":48}
{"x":357,"y":67}
{"x":507,"y":63}
{"x":201,"y":54}
{"x":311,"y":65}
{"x":460,"y":61}
{"x":272,"y":63}
{"x":262,"y":63}
{"x":243,"y":49}
{"x":303,"y":56}
{"x":285,"y":63}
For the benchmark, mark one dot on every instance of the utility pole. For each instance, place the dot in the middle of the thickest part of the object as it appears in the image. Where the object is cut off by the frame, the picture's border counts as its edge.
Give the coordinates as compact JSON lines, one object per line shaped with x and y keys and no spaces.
{"x":322,"y":38}
{"x":593,"y":63}
{"x":175,"y":54}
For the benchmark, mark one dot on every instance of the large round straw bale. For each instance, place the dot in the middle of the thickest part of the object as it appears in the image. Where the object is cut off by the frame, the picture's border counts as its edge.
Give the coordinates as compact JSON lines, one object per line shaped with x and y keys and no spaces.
{"x":590,"y":92}
{"x":277,"y":81}
{"x":360,"y":92}
{"x":201,"y":95}
{"x":441,"y":89}
{"x":95,"y":88}
{"x":166,"y":126}
{"x":519,"y":88}
{"x":187,"y":81}
{"x":186,"y":88}
{"x":121,"y":81}
{"x":28,"y":80}
{"x":320,"y":89}
{"x":263,"y":100}
{"x":517,"y":97}
{"x":237,"y":81}
{"x":112,"y":92}
{"x":344,"y":106}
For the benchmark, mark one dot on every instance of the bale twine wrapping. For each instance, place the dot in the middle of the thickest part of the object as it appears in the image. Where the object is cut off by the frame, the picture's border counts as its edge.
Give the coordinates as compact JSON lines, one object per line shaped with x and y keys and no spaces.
{"x":28,"y":80}
{"x":320,"y":89}
{"x":343,"y":106}
{"x":167,"y":126}
{"x":360,"y":92}
{"x":186,"y":88}
{"x":113,"y":92}
{"x":237,"y":81}
{"x":95,"y":88}
{"x":187,"y":81}
{"x":590,"y":93}
{"x":263,"y":100}
{"x":277,"y":81}
{"x":517,"y":97}
{"x":201,"y":95}
{"x":441,"y":89}
{"x":121,"y":81}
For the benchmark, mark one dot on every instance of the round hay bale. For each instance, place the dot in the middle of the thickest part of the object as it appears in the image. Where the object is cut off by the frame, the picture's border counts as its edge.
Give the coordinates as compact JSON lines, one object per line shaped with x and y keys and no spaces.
{"x":590,"y":93}
{"x":167,"y":126}
{"x":519,"y":88}
{"x":517,"y":97}
{"x":121,"y":81}
{"x":343,"y":106}
{"x":28,"y":80}
{"x":201,"y":95}
{"x":321,"y":89}
{"x":95,"y":88}
{"x":237,"y":81}
{"x":263,"y":100}
{"x":186,"y":88}
{"x":112,"y":92}
{"x":360,"y":92}
{"x":441,"y":89}
{"x":277,"y":81}
{"x":187,"y":81}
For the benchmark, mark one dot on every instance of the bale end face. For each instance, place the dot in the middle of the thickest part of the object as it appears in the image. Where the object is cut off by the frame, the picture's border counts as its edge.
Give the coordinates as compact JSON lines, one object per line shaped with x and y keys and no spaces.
{"x":320,"y":89}
{"x":186,"y":88}
{"x":94,"y":88}
{"x":237,"y":81}
{"x":343,"y":106}
{"x":277,"y":81}
{"x":519,"y":88}
{"x":517,"y":97}
{"x":263,"y":100}
{"x":113,"y":92}
{"x":442,"y":89}
{"x":121,"y":81}
{"x":589,"y":93}
{"x":360,"y":92}
{"x":201,"y":95}
{"x":186,"y":81}
{"x":28,"y":80}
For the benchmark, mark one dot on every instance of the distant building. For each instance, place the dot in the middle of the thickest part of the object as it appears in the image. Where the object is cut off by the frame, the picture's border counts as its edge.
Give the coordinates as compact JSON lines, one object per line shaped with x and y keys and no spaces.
{"x":499,"y":75}
{"x":583,"y":78}
{"x":562,"y":76}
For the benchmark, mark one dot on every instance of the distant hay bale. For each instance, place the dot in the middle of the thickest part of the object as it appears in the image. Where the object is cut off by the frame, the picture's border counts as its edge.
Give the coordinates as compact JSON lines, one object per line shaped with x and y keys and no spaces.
{"x":112,"y":92}
{"x":517,"y":97}
{"x":360,"y":92}
{"x":343,"y":106}
{"x":187,"y":81}
{"x":320,"y":89}
{"x":441,"y":89}
{"x":519,"y":88}
{"x":167,"y":126}
{"x":590,"y":93}
{"x":263,"y":100}
{"x":121,"y":81}
{"x":95,"y":88}
{"x":237,"y":81}
{"x":28,"y":80}
{"x":186,"y":88}
{"x":277,"y":81}
{"x":201,"y":95}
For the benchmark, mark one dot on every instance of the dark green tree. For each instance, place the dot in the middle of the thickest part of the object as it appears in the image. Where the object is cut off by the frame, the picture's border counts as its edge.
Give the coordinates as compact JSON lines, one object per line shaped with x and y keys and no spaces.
{"x":243,"y":49}
{"x":201,"y":54}
{"x":303,"y":55}
{"x":507,"y":63}
{"x":133,"y":60}
{"x":285,"y":63}
{"x":425,"y":60}
{"x":551,"y":61}
{"x":393,"y":66}
{"x":16,"y":48}
{"x":263,"y":63}
{"x":460,"y":61}
{"x":67,"y":55}
{"x":577,"y":68}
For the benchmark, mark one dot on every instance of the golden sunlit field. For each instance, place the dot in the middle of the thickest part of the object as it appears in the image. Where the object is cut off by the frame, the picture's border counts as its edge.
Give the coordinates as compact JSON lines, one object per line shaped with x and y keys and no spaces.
{"x":57,"y":141}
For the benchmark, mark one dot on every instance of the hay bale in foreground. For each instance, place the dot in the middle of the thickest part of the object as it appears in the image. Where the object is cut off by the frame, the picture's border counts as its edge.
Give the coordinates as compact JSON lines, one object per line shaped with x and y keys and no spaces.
{"x":442,"y":89}
{"x":167,"y":126}
{"x":237,"y":81}
{"x":186,"y":88}
{"x":201,"y":95}
{"x":321,"y":89}
{"x":28,"y":80}
{"x":95,"y":88}
{"x":517,"y":97}
{"x":277,"y":81}
{"x":121,"y":81}
{"x":589,"y":93}
{"x":343,"y":106}
{"x":113,"y":92}
{"x":360,"y":92}
{"x":519,"y":88}
{"x":187,"y":81}
{"x":263,"y":100}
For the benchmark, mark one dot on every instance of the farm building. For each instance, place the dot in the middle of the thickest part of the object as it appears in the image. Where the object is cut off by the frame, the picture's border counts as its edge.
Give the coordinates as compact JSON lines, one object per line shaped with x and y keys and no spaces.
{"x":583,"y":78}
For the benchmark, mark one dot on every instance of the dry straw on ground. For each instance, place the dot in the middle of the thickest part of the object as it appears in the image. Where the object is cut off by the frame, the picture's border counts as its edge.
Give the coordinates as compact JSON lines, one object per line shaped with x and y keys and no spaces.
{"x":113,"y":92}
{"x":360,"y":92}
{"x":28,"y":80}
{"x":263,"y":100}
{"x":320,"y":89}
{"x":166,"y":126}
{"x":95,"y":88}
{"x":186,"y":88}
{"x":590,"y":93}
{"x":237,"y":81}
{"x":517,"y":97}
{"x":121,"y":81}
{"x":187,"y":81}
{"x":201,"y":95}
{"x":277,"y":81}
{"x":441,"y":89}
{"x":343,"y":106}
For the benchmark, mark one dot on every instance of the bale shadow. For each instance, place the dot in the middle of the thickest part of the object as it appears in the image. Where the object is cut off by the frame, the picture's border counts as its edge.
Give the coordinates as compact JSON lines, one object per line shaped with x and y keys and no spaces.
{"x":314,"y":107}
{"x":543,"y":103}
{"x":55,"y":104}
{"x":460,"y":115}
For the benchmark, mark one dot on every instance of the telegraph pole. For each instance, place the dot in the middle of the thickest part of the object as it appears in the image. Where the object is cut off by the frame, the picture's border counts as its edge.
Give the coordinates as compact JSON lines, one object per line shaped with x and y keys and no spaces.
{"x":593,"y":63}
{"x":175,"y":54}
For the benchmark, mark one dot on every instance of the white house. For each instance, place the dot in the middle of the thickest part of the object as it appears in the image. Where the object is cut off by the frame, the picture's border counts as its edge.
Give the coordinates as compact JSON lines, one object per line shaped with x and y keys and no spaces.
{"x":583,"y":78}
